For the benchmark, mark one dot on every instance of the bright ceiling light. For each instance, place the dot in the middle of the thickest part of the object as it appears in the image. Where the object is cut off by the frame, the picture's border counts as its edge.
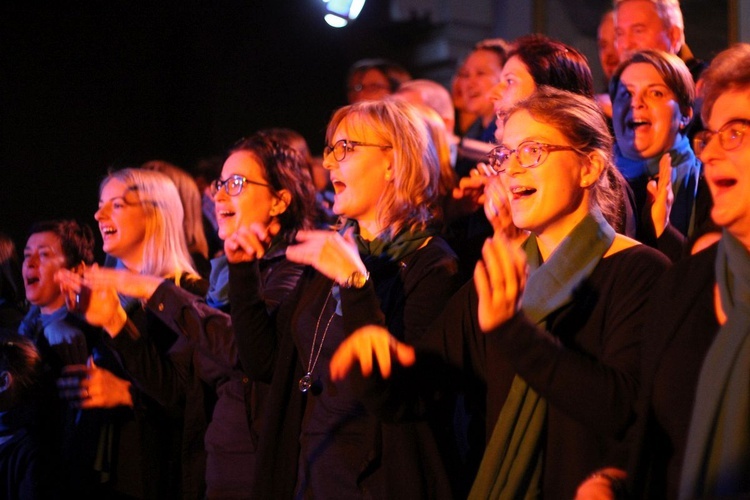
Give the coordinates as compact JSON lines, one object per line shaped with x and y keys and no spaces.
{"x":339,"y":13}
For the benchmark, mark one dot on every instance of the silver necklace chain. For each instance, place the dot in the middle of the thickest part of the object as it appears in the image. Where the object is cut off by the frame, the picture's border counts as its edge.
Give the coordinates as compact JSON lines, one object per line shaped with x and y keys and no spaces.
{"x":306,"y":381}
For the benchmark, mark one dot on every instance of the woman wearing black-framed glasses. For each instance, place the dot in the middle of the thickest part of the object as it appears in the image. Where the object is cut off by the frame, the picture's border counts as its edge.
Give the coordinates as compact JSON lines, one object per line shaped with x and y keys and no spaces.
{"x":545,"y":335}
{"x":384,"y":263}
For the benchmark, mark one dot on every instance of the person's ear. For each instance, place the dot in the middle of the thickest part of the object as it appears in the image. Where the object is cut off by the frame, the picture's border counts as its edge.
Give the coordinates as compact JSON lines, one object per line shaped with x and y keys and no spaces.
{"x":78,"y":268}
{"x":280,"y":202}
{"x":593,"y":168}
{"x":686,"y":117}
{"x":675,"y":39}
{"x":6,"y":380}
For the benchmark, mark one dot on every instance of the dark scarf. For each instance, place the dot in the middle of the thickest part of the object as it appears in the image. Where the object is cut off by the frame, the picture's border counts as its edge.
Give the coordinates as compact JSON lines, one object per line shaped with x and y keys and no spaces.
{"x":717,"y":456}
{"x":512,"y":464}
{"x":686,"y":170}
{"x":396,"y":248}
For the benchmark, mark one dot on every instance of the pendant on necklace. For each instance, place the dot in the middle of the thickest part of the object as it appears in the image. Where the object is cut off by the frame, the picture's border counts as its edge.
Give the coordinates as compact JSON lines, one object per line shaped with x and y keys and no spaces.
{"x":305,"y":382}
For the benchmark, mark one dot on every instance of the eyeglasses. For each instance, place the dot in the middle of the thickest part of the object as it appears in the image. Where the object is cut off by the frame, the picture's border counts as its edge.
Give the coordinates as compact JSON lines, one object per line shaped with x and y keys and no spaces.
{"x":730,"y":136}
{"x":529,"y":154}
{"x":340,"y":148}
{"x":234,"y":184}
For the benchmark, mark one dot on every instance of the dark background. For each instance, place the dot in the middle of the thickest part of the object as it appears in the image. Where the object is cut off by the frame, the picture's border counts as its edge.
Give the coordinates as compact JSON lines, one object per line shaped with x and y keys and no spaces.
{"x":89,"y":86}
{"x":93,"y":85}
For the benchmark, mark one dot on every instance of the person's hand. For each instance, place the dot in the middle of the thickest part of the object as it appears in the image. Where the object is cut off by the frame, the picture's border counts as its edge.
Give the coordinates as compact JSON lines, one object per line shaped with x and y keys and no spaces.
{"x":661,"y":196}
{"x":250,"y":242}
{"x":500,"y":278}
{"x":468,"y":196}
{"x":497,"y":210}
{"x":139,"y":286}
{"x":362,"y":345}
{"x":89,"y":386}
{"x":97,"y":302}
{"x":329,"y":252}
{"x":604,"y":484}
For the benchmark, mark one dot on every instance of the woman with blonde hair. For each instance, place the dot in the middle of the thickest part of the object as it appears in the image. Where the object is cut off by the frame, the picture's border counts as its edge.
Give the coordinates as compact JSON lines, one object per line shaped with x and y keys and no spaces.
{"x":140,"y":218}
{"x":192,"y":222}
{"x":545,"y":334}
{"x":385,"y":264}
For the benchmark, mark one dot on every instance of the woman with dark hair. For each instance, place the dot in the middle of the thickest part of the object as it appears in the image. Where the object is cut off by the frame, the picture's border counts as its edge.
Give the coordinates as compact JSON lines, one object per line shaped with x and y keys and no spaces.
{"x":652,"y":101}
{"x":558,"y":369}
{"x":385,"y":264}
{"x":536,"y":60}
{"x":61,"y":338}
{"x":264,"y":182}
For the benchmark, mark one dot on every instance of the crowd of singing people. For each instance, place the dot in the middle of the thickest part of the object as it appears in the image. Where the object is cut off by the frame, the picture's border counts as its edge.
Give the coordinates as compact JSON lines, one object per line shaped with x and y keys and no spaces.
{"x":527,"y":285}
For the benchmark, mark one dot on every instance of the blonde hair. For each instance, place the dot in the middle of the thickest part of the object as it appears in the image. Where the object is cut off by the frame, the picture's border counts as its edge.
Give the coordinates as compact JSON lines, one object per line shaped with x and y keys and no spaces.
{"x":439,"y":135}
{"x":190,"y":196}
{"x":409,"y":201}
{"x":165,"y":252}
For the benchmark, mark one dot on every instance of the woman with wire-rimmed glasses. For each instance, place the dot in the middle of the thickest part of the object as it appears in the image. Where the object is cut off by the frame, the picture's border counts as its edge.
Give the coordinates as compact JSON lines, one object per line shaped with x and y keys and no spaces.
{"x":547,"y":333}
{"x":384,"y":264}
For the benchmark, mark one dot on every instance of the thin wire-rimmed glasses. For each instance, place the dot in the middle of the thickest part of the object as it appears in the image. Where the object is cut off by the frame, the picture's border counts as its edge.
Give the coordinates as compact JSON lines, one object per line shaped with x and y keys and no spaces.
{"x":234,"y":184}
{"x":343,"y":146}
{"x":730,"y":136}
{"x":529,"y":154}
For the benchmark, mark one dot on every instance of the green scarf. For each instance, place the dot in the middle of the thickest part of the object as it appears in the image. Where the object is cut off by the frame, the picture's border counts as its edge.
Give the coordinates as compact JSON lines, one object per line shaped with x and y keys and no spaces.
{"x":401,"y":245}
{"x":717,"y":456}
{"x":512,"y":464}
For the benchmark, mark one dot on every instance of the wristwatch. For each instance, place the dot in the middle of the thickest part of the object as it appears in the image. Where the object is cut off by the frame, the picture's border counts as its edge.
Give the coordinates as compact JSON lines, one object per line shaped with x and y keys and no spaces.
{"x":355,"y":280}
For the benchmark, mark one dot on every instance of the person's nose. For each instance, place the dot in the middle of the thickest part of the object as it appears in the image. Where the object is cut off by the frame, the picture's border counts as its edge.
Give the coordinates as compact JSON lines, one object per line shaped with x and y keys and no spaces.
{"x":100,"y":213}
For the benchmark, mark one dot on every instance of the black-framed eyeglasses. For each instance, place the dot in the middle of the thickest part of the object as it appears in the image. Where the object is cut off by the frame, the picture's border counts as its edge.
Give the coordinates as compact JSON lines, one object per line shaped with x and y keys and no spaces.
{"x":529,"y":154}
{"x":730,"y":136}
{"x":342,"y":147}
{"x":234,"y":184}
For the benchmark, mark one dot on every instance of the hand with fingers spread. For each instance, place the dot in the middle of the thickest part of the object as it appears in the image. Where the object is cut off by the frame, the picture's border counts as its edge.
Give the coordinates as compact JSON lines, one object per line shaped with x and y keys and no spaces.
{"x":249,"y":242}
{"x":329,"y":252}
{"x":89,"y":386}
{"x":362,"y":345}
{"x":661,"y":196}
{"x":500,"y":278}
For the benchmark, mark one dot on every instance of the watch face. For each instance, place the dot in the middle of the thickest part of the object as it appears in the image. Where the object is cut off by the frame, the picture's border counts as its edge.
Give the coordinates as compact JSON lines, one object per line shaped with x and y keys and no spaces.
{"x":358,"y":280}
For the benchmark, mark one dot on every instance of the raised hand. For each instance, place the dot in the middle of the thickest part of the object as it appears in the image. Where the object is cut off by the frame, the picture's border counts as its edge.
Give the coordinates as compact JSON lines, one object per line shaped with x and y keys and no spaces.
{"x":468,"y":197}
{"x":500,"y":278}
{"x":97,"y":302}
{"x":497,"y":210}
{"x":139,"y":286}
{"x":250,"y":242}
{"x":661,"y":196}
{"x":332,"y":254}
{"x":362,"y":345}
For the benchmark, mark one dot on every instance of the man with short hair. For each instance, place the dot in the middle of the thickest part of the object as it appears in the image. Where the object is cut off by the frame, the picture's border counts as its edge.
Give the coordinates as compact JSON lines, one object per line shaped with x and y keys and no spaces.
{"x":653,"y":24}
